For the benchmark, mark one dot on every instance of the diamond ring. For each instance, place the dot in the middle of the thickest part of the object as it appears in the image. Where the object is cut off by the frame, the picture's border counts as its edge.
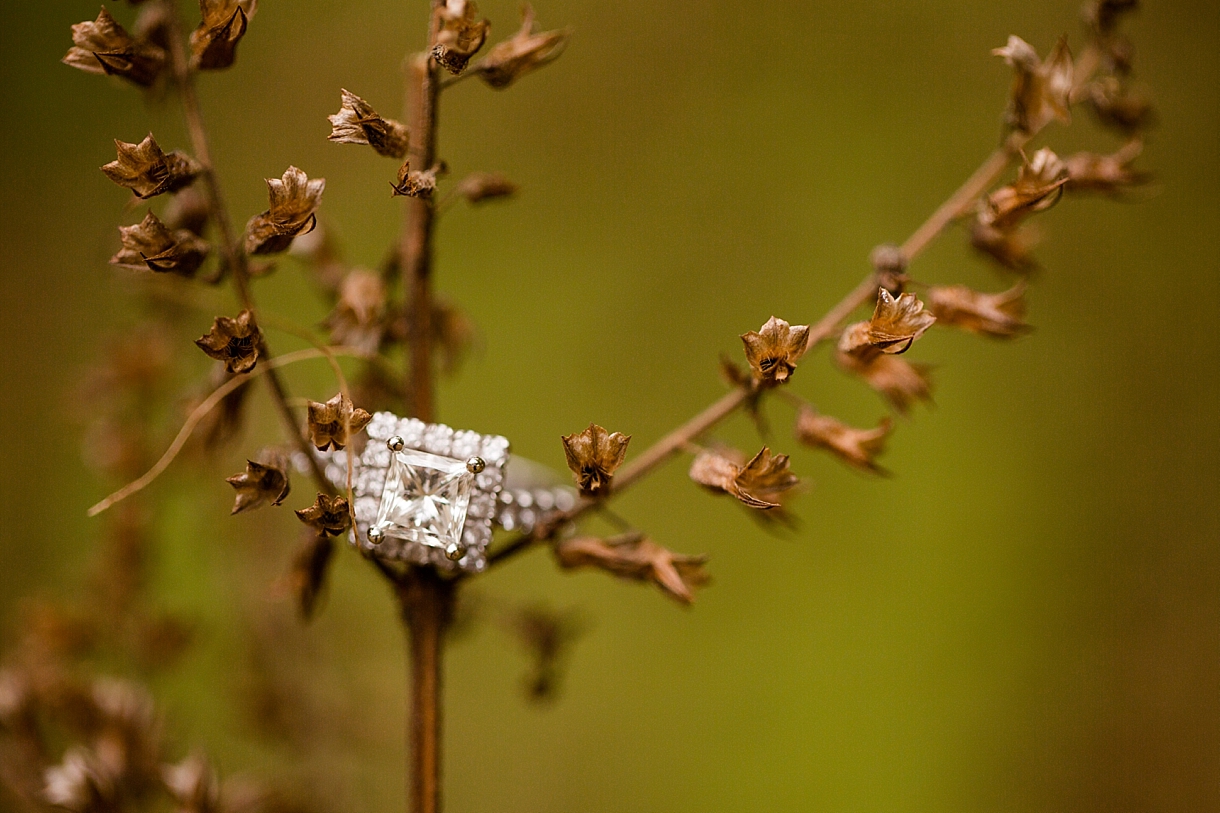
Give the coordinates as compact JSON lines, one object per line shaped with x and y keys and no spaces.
{"x":427,"y":494}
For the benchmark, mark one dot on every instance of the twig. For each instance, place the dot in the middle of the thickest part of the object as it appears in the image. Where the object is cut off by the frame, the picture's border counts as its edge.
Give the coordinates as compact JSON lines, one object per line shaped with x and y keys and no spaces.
{"x":233,"y":253}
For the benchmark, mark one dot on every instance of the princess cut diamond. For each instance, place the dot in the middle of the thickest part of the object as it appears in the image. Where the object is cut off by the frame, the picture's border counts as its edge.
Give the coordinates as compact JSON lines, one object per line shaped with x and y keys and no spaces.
{"x":425,"y":499}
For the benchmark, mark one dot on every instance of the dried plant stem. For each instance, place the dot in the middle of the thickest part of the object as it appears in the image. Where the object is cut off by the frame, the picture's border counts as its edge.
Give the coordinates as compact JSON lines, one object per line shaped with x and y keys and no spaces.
{"x":233,"y":255}
{"x":425,"y":598}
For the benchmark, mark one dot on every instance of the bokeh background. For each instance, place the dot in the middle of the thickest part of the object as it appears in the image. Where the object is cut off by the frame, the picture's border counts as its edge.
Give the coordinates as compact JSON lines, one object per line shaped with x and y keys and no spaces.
{"x":1025,"y":618}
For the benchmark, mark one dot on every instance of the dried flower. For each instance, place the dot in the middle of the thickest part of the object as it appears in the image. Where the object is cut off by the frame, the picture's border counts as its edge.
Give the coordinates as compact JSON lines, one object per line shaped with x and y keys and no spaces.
{"x":901,"y":382}
{"x":758,"y":483}
{"x":150,"y":244}
{"x":522,"y":53}
{"x":1119,"y":107}
{"x":774,"y":351}
{"x":856,"y":447}
{"x":294,"y":201}
{"x":80,"y":783}
{"x":593,"y":456}
{"x":333,"y":423}
{"x":414,"y":184}
{"x":193,"y":784}
{"x":358,"y":319}
{"x":461,"y":35}
{"x":1041,"y":89}
{"x":104,"y":47}
{"x":214,"y":42}
{"x":634,"y":556}
{"x":1108,"y":174}
{"x":328,"y":515}
{"x":1001,"y":315}
{"x":260,"y":483}
{"x":1038,"y":187}
{"x":147,"y":171}
{"x":481,"y":186}
{"x":236,"y":342}
{"x":358,"y":123}
{"x":311,"y":564}
{"x":897,"y":323}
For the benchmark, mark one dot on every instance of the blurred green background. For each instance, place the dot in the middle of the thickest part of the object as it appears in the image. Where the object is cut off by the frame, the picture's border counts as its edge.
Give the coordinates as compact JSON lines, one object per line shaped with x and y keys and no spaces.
{"x":1025,"y":618}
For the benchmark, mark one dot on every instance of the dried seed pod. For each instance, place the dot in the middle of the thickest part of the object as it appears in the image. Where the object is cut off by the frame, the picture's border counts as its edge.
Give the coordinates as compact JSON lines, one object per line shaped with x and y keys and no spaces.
{"x":461,"y":35}
{"x":593,"y":456}
{"x":759,"y":483}
{"x":104,"y":47}
{"x":261,"y":483}
{"x":1119,"y":107}
{"x":294,"y":203}
{"x":897,"y":323}
{"x":414,"y":184}
{"x":1041,"y":88}
{"x":856,"y":447}
{"x":147,"y":170}
{"x":1038,"y":187}
{"x":150,"y":245}
{"x":634,"y":556}
{"x":332,"y":424}
{"x":358,"y":123}
{"x":214,"y":42}
{"x":1107,"y":174}
{"x":522,"y":53}
{"x":311,"y":565}
{"x":236,"y":342}
{"x":359,"y":317}
{"x":774,"y":351}
{"x":1000,"y":315}
{"x":328,"y":516}
{"x":481,"y":186}
{"x":899,"y":381}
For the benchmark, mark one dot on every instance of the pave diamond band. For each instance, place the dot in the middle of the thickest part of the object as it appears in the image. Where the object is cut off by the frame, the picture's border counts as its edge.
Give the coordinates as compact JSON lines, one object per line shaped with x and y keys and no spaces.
{"x":426,"y":494}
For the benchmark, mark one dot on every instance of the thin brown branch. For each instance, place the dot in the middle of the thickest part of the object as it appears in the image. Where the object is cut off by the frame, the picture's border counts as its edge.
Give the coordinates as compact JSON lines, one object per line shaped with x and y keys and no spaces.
{"x":233,"y":255}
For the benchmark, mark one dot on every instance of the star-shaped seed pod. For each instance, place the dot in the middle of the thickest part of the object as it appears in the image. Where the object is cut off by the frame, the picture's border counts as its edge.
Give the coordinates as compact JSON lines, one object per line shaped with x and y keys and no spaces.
{"x":104,"y":47}
{"x":758,"y":483}
{"x":522,"y":53}
{"x":774,"y":351}
{"x":1041,"y":88}
{"x":294,"y":203}
{"x":593,"y":456}
{"x":634,"y":556}
{"x":461,"y":35}
{"x":150,"y":245}
{"x":1038,"y":187}
{"x":359,"y":317}
{"x":999,"y":315}
{"x":329,"y":516}
{"x":147,"y":170}
{"x":856,"y":447}
{"x":358,"y":123}
{"x":414,"y":184}
{"x":1106,"y":174}
{"x":260,"y":484}
{"x":899,"y":381}
{"x":332,"y":424}
{"x":214,"y":42}
{"x":897,"y":323}
{"x":236,"y":342}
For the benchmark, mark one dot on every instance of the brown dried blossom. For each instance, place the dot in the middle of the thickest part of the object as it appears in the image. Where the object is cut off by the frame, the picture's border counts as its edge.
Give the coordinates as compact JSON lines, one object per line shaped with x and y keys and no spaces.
{"x":358,"y":123}
{"x":311,"y":564}
{"x":193,"y":784}
{"x":1119,"y":107}
{"x":294,"y":201}
{"x":358,"y":319}
{"x":328,"y":515}
{"x":414,"y":184}
{"x":332,"y":424}
{"x":1041,"y":89}
{"x":897,"y":323}
{"x":147,"y":170}
{"x":856,"y":447}
{"x":522,"y":53}
{"x":461,"y":35}
{"x":593,"y":456}
{"x":634,"y":556}
{"x":774,"y":351}
{"x":482,"y":186}
{"x":1000,"y":315}
{"x":1106,"y":174}
{"x":261,"y":483}
{"x":758,"y":483}
{"x":1038,"y":187}
{"x":235,"y":341}
{"x":104,"y":47}
{"x":214,"y":42}
{"x":150,"y":245}
{"x":902,"y":383}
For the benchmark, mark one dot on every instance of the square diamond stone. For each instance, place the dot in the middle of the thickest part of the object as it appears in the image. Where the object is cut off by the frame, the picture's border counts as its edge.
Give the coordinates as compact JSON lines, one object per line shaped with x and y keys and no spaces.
{"x":425,"y":498}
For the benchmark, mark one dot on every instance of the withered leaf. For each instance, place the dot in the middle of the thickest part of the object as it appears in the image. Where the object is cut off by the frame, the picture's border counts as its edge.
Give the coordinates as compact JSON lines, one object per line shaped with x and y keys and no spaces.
{"x":328,"y":515}
{"x":593,"y":456}
{"x":358,"y":318}
{"x":899,"y":381}
{"x":332,"y":424}
{"x":260,"y":483}
{"x":774,"y":351}
{"x":856,"y":447}
{"x":897,"y":323}
{"x":414,"y":184}
{"x":358,"y":123}
{"x":147,"y":170}
{"x":758,"y":483}
{"x":461,"y":35}
{"x":634,"y":556}
{"x":236,"y":342}
{"x":294,"y":203}
{"x":1001,"y":315}
{"x":522,"y":53}
{"x":149,"y":244}
{"x":104,"y":47}
{"x":214,"y":42}
{"x":1041,"y":89}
